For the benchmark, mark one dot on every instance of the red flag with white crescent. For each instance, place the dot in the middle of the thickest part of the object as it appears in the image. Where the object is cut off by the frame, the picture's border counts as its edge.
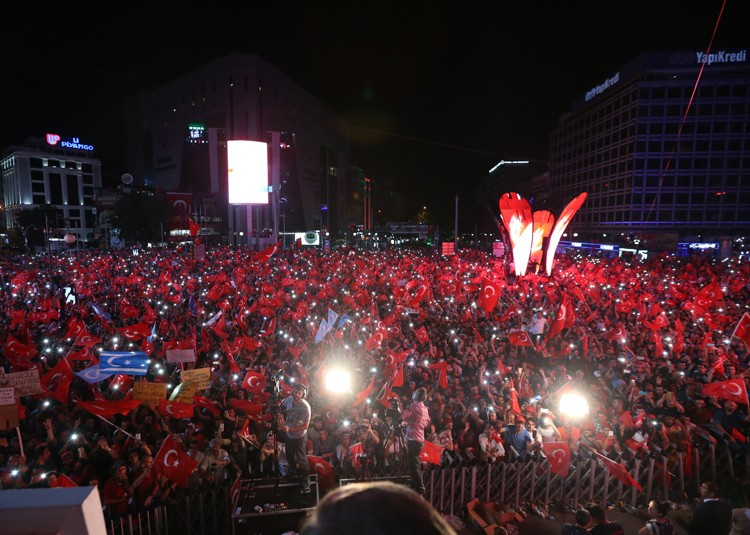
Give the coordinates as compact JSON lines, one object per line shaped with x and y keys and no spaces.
{"x":558,"y":455}
{"x":174,"y":462}
{"x":175,"y":409}
{"x":619,"y":471}
{"x":254,"y":382}
{"x":324,"y":470}
{"x":422,"y":335}
{"x":742,"y":330}
{"x":520,"y":338}
{"x":364,"y":394}
{"x":109,"y":408}
{"x":733,"y":389}
{"x":488,"y":296}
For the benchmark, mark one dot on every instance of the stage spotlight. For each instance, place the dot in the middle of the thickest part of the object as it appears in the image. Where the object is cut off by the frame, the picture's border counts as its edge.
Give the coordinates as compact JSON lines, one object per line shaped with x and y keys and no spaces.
{"x":574,"y":406}
{"x":338,"y":381}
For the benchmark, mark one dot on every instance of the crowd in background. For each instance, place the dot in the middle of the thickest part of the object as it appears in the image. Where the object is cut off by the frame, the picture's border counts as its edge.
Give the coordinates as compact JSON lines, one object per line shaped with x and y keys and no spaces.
{"x":640,"y":340}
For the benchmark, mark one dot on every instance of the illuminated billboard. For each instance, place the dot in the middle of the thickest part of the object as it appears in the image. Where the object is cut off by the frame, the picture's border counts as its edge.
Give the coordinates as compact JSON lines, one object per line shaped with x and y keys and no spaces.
{"x":247,"y":163}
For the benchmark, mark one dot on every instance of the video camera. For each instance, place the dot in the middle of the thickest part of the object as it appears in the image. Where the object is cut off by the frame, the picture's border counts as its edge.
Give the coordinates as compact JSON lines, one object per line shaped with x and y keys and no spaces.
{"x":393,"y":410}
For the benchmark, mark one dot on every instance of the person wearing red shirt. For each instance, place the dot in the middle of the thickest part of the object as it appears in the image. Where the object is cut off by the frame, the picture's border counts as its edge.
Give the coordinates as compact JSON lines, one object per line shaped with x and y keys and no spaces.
{"x":117,"y":491}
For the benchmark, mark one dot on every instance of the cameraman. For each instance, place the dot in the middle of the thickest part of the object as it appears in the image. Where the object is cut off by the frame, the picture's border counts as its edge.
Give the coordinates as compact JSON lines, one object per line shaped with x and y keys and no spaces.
{"x":417,"y":418}
{"x":297,"y":421}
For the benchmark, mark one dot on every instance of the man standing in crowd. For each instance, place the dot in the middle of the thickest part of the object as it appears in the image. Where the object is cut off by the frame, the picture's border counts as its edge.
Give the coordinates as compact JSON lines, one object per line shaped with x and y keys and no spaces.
{"x":712,"y":515}
{"x":297,"y":421}
{"x":417,"y":417}
{"x":599,"y":523}
{"x":579,"y":528}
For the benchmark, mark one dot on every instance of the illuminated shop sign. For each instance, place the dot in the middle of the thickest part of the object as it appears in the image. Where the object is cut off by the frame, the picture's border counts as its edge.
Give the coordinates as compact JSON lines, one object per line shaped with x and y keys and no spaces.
{"x":72,"y":143}
{"x":601,"y":88}
{"x":722,"y":56}
{"x":197,"y":134}
{"x":703,"y":245}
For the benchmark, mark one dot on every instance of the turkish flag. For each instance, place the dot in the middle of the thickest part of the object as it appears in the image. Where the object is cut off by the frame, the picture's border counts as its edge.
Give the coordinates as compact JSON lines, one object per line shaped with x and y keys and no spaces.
{"x":193,"y":226}
{"x":385,"y":395}
{"x":355,"y":450}
{"x":397,"y":379}
{"x":619,"y":471}
{"x":44,"y":316}
{"x":558,"y":455}
{"x":266,"y":254}
{"x":488,"y":296}
{"x":443,"y":377}
{"x":234,"y":493}
{"x":205,"y":403}
{"x":176,"y":409}
{"x":514,"y":406}
{"x":476,"y":334}
{"x":733,"y":389}
{"x":63,"y":482}
{"x":742,"y":330}
{"x":364,"y":394}
{"x":376,"y":340}
{"x":13,"y":349}
{"x":560,"y":318}
{"x":615,"y":333}
{"x":520,"y":338}
{"x":174,"y":462}
{"x":135,"y":332}
{"x":18,"y":317}
{"x":709,"y":295}
{"x":431,"y":453}
{"x":392,"y":359}
{"x":254,"y":382}
{"x":87,"y":340}
{"x":422,"y":335}
{"x":695,"y":309}
{"x":324,"y":470}
{"x":57,"y":380}
{"x":107,"y":409}
{"x":249,"y":408}
{"x":250,"y":343}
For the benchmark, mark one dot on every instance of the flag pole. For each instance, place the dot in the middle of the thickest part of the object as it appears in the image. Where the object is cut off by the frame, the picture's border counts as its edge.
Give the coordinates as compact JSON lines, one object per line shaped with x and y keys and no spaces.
{"x":20,"y":441}
{"x":115,"y":426}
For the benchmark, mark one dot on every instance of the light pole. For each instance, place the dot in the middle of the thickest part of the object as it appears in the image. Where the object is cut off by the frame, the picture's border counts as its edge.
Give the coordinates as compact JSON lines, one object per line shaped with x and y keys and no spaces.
{"x":499,"y":164}
{"x":24,"y":231}
{"x":455,"y":229}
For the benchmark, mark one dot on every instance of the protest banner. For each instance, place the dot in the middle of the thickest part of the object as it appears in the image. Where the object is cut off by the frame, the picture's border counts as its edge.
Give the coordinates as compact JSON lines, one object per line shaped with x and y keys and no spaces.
{"x":183,"y":393}
{"x":149,"y":393}
{"x":8,"y":408}
{"x":180,"y":355}
{"x":26,"y":382}
{"x":201,"y":377}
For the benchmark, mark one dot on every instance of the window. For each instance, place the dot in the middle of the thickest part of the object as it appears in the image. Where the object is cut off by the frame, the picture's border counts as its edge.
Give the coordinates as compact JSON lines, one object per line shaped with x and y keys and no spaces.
{"x":55,"y":186}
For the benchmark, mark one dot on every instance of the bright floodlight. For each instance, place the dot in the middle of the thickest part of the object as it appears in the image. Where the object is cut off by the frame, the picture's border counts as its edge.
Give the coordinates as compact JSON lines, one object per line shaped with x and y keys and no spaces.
{"x":574,"y":406}
{"x":338,"y":381}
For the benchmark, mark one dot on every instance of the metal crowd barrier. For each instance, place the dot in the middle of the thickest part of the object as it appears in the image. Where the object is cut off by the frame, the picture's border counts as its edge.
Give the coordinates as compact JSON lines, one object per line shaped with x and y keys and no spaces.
{"x":451,"y":486}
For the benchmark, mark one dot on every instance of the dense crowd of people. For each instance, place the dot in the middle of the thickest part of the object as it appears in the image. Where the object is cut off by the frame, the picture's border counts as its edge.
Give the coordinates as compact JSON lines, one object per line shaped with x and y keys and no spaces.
{"x":638,"y":338}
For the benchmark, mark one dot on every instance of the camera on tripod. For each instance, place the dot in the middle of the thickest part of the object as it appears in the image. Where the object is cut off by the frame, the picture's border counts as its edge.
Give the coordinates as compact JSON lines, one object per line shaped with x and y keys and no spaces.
{"x":393,"y":412}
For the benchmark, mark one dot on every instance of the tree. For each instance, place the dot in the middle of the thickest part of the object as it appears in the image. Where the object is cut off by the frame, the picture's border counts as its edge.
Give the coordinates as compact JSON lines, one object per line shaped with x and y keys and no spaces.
{"x":139,"y":217}
{"x":31,"y":224}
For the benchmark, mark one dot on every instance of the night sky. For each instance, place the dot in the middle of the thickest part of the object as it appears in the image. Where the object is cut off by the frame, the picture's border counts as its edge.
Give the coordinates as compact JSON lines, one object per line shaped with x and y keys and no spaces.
{"x":433,"y":94}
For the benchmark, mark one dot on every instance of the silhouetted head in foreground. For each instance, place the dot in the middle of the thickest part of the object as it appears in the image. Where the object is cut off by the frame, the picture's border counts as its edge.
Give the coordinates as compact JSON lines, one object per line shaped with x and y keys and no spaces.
{"x":375,"y":509}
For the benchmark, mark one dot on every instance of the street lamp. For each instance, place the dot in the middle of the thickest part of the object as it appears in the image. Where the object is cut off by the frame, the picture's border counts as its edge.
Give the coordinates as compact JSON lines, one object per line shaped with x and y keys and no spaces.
{"x":24,"y":231}
{"x":499,"y":164}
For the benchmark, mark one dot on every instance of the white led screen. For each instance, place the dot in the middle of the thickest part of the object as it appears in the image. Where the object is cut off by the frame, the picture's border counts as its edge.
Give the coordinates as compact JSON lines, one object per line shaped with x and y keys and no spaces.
{"x":247,"y":163}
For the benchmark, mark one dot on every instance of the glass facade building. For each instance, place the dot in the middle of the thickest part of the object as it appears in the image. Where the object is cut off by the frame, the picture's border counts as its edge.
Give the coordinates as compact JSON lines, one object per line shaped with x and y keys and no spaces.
{"x":657,"y":153}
